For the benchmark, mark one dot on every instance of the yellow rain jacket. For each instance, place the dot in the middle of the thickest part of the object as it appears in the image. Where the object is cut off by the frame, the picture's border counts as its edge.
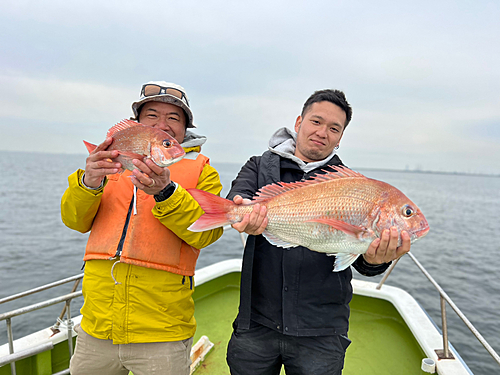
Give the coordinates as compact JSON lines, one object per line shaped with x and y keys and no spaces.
{"x":146,"y":303}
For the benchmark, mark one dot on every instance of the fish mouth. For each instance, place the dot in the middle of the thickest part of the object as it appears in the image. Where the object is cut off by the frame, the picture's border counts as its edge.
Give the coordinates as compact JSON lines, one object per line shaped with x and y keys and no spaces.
{"x":165,"y":158}
{"x":421,"y":232}
{"x":168,"y":162}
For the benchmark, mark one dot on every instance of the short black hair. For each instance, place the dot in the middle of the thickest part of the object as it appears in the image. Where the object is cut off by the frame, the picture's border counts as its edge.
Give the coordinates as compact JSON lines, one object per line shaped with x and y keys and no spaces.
{"x":336,"y":97}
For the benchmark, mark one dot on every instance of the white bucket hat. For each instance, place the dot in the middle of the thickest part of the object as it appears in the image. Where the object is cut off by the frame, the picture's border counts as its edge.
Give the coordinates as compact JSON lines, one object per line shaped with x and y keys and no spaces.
{"x":166,"y":92}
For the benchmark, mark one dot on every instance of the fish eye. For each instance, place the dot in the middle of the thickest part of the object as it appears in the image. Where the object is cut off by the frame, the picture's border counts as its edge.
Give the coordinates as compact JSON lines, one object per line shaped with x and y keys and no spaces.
{"x":167,"y":143}
{"x":408,"y":211}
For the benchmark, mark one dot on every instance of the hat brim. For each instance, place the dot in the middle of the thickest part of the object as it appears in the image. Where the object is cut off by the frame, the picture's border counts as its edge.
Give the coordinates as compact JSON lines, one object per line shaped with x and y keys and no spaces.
{"x":165,"y":98}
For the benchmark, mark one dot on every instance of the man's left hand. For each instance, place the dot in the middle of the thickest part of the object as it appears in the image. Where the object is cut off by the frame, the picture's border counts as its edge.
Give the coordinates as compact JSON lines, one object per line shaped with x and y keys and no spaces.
{"x":149,"y":177}
{"x":385,"y":249}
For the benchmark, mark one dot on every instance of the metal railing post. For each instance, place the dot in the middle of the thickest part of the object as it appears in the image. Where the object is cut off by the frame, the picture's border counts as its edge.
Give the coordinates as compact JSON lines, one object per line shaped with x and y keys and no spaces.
{"x":460,"y":314}
{"x":11,"y":344}
{"x":445,"y":352}
{"x":55,"y":328}
{"x":69,"y":324}
{"x":7,"y":316}
{"x":388,"y":272}
{"x":445,"y":327}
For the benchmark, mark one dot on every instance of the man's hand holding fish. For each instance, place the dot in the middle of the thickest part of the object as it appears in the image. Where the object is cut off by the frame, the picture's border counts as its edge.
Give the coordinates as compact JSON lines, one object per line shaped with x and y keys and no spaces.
{"x":253,"y":223}
{"x":100,"y":163}
{"x":385,"y":249}
{"x":149,"y":177}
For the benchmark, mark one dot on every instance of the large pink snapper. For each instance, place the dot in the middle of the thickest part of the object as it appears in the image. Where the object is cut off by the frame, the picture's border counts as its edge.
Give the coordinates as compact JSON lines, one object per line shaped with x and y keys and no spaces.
{"x":134,"y":140}
{"x":338,"y":213}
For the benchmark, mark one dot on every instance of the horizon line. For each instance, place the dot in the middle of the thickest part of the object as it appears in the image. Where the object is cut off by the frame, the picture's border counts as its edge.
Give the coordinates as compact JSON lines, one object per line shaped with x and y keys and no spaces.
{"x":417,"y":170}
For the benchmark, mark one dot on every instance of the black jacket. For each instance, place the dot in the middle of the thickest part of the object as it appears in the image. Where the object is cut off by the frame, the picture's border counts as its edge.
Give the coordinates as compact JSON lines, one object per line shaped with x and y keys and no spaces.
{"x":293,"y":291}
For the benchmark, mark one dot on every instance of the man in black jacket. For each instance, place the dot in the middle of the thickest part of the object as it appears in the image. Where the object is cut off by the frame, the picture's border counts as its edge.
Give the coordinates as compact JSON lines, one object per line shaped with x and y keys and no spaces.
{"x":294,"y":311}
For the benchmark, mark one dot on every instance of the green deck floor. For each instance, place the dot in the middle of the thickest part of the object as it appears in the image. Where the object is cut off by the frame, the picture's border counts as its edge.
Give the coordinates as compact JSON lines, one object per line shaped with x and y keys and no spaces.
{"x":382,"y":342}
{"x":216,"y":307}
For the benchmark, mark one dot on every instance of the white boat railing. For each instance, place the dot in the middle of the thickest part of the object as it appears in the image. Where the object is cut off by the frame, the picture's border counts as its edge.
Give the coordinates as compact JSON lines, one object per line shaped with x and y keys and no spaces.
{"x":67,"y":298}
{"x":7,"y":316}
{"x":445,"y":353}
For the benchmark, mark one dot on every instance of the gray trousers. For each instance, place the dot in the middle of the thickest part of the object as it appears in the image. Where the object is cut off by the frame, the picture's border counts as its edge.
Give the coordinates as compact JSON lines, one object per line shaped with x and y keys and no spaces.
{"x":96,"y":356}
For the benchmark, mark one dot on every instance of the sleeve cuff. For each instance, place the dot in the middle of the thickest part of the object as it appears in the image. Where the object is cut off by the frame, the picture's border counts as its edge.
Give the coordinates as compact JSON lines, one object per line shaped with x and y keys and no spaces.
{"x":91,"y":188}
{"x":166,"y":192}
{"x":367,"y":269}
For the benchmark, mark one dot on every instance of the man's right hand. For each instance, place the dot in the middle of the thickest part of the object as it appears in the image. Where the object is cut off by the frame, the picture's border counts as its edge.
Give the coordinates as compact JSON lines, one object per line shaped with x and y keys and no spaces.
{"x":99,"y":164}
{"x":253,"y":223}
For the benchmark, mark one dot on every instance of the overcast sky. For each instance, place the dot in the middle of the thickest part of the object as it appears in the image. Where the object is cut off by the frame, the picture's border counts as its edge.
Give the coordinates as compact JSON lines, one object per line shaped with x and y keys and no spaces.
{"x":423,"y":77}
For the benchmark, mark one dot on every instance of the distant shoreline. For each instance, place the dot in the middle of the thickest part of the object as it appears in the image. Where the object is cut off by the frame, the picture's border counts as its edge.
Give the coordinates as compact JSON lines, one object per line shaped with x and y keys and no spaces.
{"x":430,"y":172}
{"x":398,"y":170}
{"x":357,"y":168}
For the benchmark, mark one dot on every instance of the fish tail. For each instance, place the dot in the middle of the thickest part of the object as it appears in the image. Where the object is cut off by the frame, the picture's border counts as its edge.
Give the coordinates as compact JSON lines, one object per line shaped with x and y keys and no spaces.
{"x":215,"y":207}
{"x":90,"y":147}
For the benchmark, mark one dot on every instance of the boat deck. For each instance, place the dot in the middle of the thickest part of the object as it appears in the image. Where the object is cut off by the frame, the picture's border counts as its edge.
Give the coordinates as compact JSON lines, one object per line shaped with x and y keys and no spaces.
{"x":382,"y":342}
{"x":216,"y":307}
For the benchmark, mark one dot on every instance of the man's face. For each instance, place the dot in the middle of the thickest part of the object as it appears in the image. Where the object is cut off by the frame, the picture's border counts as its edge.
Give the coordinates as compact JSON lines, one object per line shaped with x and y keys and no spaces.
{"x":164,"y":116}
{"x":319,"y":131}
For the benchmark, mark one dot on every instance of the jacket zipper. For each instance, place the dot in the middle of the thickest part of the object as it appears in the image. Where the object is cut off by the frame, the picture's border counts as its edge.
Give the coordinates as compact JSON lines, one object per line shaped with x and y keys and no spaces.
{"x":125,"y":227}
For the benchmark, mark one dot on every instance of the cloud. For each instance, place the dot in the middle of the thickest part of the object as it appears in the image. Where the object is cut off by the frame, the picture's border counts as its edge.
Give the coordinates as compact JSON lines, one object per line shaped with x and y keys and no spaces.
{"x":70,"y":102}
{"x":423,"y":77}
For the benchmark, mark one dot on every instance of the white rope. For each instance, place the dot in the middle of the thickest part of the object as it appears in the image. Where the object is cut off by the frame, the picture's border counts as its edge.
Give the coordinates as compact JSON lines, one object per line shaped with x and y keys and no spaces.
{"x":65,"y":324}
{"x":112,"y":268}
{"x":135,"y":200}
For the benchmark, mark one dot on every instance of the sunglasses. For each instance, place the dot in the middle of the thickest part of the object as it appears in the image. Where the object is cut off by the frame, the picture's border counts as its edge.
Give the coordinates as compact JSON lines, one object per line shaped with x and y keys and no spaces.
{"x":152,"y":90}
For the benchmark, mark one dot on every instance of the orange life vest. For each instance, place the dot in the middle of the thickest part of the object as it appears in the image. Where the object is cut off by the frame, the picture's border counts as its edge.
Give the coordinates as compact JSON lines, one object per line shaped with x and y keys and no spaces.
{"x":147,"y":242}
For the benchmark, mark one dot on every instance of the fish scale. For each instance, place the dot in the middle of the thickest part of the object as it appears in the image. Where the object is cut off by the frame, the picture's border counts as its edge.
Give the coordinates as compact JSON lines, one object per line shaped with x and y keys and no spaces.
{"x":338,"y":213}
{"x":295,"y":228}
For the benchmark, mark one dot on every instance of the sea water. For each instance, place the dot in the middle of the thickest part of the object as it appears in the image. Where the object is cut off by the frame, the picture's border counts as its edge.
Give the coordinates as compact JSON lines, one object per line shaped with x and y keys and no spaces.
{"x":461,"y":250}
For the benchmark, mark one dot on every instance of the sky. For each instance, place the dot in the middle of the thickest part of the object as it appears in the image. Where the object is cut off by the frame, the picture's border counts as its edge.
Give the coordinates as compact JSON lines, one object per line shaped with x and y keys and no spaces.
{"x":422,"y":77}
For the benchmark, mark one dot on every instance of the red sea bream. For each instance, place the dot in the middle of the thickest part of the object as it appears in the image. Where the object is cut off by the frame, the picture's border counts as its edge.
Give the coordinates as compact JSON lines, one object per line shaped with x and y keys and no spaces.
{"x":338,"y":213}
{"x":134,"y":140}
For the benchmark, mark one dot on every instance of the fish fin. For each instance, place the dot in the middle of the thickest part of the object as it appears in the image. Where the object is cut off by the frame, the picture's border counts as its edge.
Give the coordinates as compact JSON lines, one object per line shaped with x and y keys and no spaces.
{"x":124,"y":124}
{"x":215,"y":207}
{"x":340,"y":172}
{"x":344,"y":260}
{"x":273,"y":240}
{"x":272,"y":190}
{"x":90,"y":146}
{"x":349,"y":229}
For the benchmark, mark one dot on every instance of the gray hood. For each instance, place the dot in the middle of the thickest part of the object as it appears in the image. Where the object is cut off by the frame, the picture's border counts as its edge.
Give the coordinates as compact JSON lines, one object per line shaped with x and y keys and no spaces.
{"x":283,"y":143}
{"x":192,"y":140}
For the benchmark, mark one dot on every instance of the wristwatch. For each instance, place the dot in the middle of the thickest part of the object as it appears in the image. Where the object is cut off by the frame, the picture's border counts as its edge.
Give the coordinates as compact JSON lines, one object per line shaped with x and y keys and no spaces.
{"x":166,"y":192}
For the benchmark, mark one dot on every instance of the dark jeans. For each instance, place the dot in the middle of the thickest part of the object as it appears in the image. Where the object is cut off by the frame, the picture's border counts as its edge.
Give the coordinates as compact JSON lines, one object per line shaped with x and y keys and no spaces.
{"x":262,"y":351}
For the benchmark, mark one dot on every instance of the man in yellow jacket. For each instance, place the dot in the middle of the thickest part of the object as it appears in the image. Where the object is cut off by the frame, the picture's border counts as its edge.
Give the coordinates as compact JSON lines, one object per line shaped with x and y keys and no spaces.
{"x":140,"y":257}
